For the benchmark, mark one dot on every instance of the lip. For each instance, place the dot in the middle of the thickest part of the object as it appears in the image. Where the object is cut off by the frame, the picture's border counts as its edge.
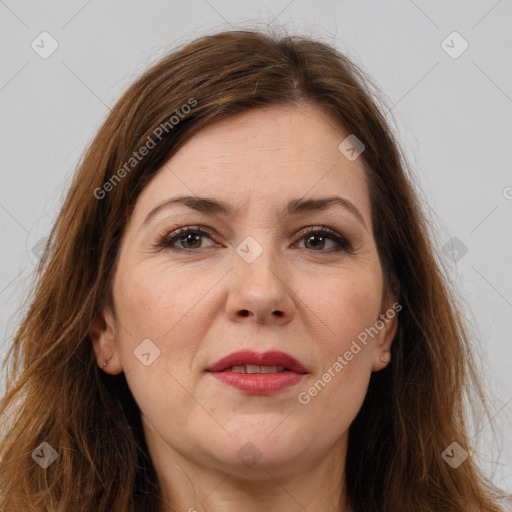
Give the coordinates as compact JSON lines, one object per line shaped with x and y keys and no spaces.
{"x":271,"y":358}
{"x":259,"y":383}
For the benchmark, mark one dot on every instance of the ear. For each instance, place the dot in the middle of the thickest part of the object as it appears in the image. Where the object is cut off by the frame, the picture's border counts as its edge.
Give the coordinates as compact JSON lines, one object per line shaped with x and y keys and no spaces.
{"x":386,"y":326}
{"x":104,"y":341}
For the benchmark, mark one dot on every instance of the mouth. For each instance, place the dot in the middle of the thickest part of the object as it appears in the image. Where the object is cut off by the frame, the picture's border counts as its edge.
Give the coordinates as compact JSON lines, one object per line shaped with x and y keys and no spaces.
{"x":254,"y":368}
{"x":258,"y":373}
{"x":249,"y":361}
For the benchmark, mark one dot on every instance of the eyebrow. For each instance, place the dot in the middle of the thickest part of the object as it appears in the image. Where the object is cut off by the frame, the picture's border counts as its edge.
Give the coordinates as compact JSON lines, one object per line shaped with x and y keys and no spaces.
{"x":217,"y":207}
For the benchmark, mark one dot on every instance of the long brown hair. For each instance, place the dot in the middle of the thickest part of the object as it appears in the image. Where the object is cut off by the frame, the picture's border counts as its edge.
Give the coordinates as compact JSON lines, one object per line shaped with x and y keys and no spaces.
{"x":57,"y":394}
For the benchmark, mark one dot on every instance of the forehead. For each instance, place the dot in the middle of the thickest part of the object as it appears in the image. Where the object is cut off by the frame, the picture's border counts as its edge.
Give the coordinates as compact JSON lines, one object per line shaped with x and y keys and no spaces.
{"x":261,"y":159}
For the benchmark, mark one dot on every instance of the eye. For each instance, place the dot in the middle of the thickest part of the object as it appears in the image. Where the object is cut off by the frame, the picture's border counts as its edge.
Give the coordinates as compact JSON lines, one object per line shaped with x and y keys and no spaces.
{"x":317,"y":239}
{"x":188,"y":238}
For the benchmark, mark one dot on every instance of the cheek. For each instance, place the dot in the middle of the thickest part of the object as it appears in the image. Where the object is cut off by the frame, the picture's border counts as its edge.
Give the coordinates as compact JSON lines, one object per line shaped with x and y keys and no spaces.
{"x":157,"y":301}
{"x":345,"y":306}
{"x":159,"y":304}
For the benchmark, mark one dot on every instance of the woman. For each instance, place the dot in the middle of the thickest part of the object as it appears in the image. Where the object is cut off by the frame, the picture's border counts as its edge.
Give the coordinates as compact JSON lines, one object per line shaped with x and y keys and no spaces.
{"x":239,"y":306}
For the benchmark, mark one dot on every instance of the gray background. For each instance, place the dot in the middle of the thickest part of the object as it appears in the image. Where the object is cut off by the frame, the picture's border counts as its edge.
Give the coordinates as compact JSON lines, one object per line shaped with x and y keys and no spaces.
{"x":453,"y":116}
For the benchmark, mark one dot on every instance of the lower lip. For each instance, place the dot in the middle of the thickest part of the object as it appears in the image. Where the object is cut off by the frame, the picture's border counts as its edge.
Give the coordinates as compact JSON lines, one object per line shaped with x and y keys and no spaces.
{"x":259,"y":383}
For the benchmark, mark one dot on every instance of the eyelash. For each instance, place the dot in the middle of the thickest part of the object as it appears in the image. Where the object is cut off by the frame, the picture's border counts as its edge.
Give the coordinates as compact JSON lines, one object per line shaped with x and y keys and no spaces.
{"x":166,"y":240}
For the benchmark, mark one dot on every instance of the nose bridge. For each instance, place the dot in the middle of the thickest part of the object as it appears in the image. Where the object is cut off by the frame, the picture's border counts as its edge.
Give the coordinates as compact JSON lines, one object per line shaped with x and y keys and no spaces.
{"x":259,"y":254}
{"x":253,"y":260}
{"x":259,"y":286}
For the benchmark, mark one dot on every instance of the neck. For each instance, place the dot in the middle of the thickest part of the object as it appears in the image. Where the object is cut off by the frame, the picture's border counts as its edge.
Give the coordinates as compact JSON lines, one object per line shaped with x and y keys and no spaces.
{"x":317,"y":485}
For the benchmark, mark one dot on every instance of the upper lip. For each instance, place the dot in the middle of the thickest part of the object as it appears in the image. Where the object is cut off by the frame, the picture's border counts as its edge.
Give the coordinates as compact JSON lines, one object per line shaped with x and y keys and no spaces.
{"x":271,"y":358}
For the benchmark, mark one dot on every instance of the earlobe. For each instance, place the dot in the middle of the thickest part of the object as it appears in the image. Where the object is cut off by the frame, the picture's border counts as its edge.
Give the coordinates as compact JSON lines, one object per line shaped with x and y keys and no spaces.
{"x":103,"y":337}
{"x":386,"y":357}
{"x":384,"y":339}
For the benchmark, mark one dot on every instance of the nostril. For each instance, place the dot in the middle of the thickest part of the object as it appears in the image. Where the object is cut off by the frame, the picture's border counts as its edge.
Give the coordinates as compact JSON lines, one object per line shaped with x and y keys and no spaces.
{"x":277,"y":313}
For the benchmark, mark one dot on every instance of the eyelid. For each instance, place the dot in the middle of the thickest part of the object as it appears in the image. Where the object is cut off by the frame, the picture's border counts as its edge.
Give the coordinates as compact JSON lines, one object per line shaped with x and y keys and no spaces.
{"x":172,"y":236}
{"x":342,"y":241}
{"x":166,"y":238}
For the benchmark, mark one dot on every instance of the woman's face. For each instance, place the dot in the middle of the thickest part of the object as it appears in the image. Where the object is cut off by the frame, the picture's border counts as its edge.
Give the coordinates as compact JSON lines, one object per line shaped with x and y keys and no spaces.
{"x":257,"y":278}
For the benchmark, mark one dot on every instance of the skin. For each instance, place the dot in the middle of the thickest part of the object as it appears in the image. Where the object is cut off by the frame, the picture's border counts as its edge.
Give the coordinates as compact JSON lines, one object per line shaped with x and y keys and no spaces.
{"x":298,"y":297}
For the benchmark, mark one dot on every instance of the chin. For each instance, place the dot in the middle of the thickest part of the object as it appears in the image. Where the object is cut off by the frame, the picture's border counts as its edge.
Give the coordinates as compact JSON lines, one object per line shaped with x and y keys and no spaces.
{"x":261,"y":450}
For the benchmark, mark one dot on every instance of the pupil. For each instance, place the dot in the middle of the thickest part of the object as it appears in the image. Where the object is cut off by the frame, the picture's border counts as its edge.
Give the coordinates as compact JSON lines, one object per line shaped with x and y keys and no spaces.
{"x":193,"y":239}
{"x":190,"y":239}
{"x":321,"y":238}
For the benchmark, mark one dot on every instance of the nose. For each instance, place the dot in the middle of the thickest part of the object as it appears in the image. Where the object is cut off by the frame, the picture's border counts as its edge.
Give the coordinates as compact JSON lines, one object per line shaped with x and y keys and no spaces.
{"x":260,"y":292}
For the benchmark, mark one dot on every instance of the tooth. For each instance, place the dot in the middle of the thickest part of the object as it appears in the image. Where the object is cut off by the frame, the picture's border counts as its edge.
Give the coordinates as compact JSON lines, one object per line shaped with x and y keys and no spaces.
{"x":254,"y":368}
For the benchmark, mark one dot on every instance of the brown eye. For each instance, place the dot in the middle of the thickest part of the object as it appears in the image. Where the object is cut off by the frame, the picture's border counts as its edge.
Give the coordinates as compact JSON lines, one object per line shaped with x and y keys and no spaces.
{"x":191,"y":241}
{"x":325,"y":240}
{"x":186,"y":239}
{"x":314,"y":242}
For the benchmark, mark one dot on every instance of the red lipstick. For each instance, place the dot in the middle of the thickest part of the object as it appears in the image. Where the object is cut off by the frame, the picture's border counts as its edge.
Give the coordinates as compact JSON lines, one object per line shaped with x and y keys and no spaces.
{"x":258,"y":373}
